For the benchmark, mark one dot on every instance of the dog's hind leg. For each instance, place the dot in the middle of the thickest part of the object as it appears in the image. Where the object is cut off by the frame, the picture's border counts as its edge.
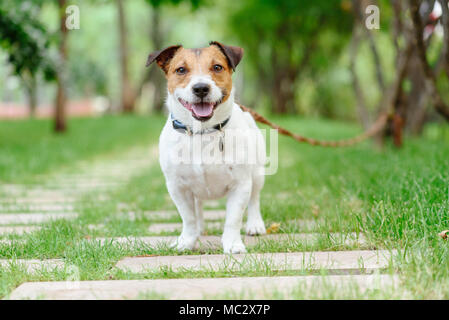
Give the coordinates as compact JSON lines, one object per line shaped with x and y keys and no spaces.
{"x":185,"y":203}
{"x":199,"y":215}
{"x":254,"y":223}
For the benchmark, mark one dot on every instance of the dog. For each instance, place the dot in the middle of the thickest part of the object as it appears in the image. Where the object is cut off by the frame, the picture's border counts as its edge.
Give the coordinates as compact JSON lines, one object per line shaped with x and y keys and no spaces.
{"x":200,"y":101}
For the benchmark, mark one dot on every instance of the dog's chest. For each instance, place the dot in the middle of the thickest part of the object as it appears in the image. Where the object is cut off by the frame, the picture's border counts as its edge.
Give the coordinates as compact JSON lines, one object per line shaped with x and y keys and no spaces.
{"x":203,"y":166}
{"x":206,"y":181}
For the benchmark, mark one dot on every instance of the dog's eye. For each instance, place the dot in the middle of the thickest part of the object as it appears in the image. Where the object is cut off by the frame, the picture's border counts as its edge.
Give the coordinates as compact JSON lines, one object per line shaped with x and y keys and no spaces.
{"x":181,"y":70}
{"x":217,"y":68}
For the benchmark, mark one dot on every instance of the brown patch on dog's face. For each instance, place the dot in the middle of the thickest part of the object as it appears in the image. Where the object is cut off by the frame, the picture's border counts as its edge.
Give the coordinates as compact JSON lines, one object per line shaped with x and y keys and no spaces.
{"x":189,"y":62}
{"x":199,"y":79}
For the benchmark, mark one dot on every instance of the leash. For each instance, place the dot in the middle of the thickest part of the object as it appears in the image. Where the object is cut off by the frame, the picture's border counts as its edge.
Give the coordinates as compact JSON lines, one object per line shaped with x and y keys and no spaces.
{"x":377,"y":126}
{"x":374,"y":129}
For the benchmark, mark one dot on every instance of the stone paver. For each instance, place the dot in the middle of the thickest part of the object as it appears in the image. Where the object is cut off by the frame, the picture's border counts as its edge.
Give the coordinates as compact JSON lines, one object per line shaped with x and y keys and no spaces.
{"x":53,"y":200}
{"x":29,"y":218}
{"x":11,"y":242}
{"x":46,"y":200}
{"x":36,"y":207}
{"x":32,"y":265}
{"x":37,"y":200}
{"x":193,"y":289}
{"x":303,"y":225}
{"x":82,"y":184}
{"x":175,"y":227}
{"x":41,"y":192}
{"x":58,"y":192}
{"x":19,"y":230}
{"x":209,"y":215}
{"x":214,"y":204}
{"x":95,"y":227}
{"x":214,"y":242}
{"x":91,"y":177}
{"x":152,"y":215}
{"x":343,"y":261}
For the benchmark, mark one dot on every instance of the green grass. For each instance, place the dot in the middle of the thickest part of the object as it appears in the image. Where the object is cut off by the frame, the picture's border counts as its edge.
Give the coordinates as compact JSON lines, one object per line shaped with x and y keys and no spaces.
{"x":397,"y":198}
{"x":29,"y":148}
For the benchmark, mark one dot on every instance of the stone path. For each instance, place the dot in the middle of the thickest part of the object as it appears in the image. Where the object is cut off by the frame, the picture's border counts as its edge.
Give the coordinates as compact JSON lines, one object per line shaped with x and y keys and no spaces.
{"x":26,"y":208}
{"x":17,"y":230}
{"x":210,"y":222}
{"x":344,"y":261}
{"x":28,"y":218}
{"x":37,"y":200}
{"x":209,"y":215}
{"x":214,"y":242}
{"x":32,"y":265}
{"x":36,"y":208}
{"x":158,"y":228}
{"x":194,"y":289}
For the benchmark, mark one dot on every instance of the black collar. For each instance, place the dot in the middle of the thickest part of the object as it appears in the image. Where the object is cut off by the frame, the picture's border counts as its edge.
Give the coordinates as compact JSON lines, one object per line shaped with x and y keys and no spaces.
{"x":180,"y":127}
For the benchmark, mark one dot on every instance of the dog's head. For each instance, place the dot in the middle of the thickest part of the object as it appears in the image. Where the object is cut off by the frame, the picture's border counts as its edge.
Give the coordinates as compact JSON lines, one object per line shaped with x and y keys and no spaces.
{"x":198,"y":80}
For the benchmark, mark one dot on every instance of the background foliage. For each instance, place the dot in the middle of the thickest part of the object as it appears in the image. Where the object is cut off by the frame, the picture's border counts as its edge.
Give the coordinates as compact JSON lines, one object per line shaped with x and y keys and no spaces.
{"x":297,"y":53}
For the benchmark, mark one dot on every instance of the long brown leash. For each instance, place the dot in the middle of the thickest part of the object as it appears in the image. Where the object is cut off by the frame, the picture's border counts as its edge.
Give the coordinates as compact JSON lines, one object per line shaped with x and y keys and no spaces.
{"x":374,"y":129}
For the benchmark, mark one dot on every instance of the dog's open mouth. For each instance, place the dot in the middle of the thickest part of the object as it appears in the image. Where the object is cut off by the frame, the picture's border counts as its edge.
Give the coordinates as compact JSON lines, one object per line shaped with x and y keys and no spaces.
{"x":201,"y":110}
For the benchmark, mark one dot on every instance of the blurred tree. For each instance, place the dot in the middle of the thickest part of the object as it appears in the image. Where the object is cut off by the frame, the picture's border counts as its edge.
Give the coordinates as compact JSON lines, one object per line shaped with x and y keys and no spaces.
{"x":60,"y":122}
{"x":285,"y":39}
{"x":418,"y":31}
{"x":87,"y":78}
{"x":26,"y":42}
{"x":415,"y":103}
{"x":414,"y":87}
{"x":156,"y":35}
{"x":359,"y":30}
{"x":128,"y":95}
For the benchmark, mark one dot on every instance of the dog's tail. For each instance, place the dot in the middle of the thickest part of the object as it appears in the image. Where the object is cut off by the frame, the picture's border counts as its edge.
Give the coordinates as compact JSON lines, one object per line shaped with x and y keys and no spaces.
{"x":373,"y":130}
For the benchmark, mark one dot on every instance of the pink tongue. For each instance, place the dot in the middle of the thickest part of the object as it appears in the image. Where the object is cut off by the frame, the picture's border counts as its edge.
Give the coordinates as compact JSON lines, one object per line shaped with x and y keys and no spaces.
{"x":203,"y":109}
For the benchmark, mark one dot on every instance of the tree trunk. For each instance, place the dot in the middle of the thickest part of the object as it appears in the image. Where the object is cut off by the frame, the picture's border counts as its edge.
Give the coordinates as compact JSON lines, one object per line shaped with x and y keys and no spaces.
{"x":60,"y":110}
{"x":362,"y":109}
{"x":441,"y":107}
{"x":127,"y":92}
{"x":283,"y":88}
{"x":418,"y":96}
{"x":399,"y":117}
{"x":444,"y":59}
{"x":393,"y":101}
{"x":157,"y":76}
{"x":154,"y":75}
{"x":280,"y":95}
{"x":372,"y":44}
{"x":32,"y":97}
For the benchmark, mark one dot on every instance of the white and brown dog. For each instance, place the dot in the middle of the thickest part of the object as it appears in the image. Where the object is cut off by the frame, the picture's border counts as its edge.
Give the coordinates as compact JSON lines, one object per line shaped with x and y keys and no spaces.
{"x":201,"y":104}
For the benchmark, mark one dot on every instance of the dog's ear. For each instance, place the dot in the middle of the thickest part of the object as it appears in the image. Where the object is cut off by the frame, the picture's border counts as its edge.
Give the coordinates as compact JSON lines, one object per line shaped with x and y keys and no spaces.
{"x":232,"y":54}
{"x":163,"y":57}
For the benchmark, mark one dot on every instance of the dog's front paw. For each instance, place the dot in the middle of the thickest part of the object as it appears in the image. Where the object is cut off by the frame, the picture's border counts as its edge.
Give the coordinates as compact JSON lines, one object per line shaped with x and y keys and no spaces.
{"x":235,"y":246}
{"x":184,"y":243}
{"x":200,"y":227}
{"x":255,"y":227}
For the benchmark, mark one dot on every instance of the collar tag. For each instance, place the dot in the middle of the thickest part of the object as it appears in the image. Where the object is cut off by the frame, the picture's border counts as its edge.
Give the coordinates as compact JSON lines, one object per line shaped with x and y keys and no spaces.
{"x":221,"y":143}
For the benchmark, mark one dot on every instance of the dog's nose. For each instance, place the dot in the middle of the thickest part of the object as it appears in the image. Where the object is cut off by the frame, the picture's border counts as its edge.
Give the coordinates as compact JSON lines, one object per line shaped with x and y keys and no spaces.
{"x":201,"y":89}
